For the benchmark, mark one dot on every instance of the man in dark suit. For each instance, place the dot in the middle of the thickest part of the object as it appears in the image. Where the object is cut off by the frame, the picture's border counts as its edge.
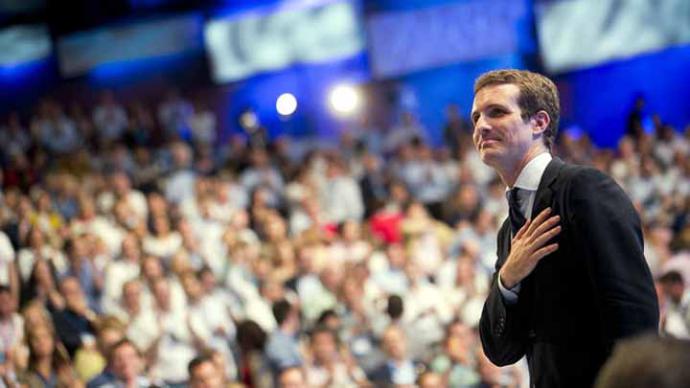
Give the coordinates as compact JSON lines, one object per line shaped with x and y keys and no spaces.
{"x":571,"y":279}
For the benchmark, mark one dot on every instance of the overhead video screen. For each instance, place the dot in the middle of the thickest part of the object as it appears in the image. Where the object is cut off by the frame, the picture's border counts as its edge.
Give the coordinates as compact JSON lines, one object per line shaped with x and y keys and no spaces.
{"x":10,"y":7}
{"x":403,"y":42}
{"x":79,"y":53}
{"x":23,"y":44}
{"x":575,"y":34}
{"x":257,"y":41}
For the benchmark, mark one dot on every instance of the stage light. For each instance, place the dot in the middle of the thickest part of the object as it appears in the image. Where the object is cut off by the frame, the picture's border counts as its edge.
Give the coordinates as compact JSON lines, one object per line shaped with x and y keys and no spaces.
{"x":248,"y":120}
{"x":344,"y":100}
{"x":286,"y":104}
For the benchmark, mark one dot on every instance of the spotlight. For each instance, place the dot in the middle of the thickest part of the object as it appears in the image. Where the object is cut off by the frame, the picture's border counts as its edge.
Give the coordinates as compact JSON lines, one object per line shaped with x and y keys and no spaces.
{"x":286,"y":104}
{"x":248,"y":120}
{"x":344,"y":100}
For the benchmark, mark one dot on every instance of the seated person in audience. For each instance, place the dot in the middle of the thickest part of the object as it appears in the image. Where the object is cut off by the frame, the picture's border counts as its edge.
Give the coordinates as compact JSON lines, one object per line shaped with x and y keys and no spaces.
{"x":91,"y":358}
{"x":282,"y":348}
{"x":431,"y":379}
{"x":329,"y":366}
{"x":205,"y":373}
{"x":398,"y":368}
{"x":74,"y":320}
{"x":292,"y":377}
{"x":49,"y":364}
{"x":457,"y":363}
{"x":125,"y":368}
{"x":647,"y":361}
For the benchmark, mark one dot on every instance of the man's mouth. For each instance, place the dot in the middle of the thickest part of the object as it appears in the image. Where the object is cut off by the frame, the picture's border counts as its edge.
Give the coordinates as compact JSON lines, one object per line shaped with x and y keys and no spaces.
{"x":488,"y":142}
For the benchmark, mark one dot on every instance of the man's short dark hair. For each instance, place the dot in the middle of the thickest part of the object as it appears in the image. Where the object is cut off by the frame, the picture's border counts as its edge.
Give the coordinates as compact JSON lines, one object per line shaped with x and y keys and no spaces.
{"x":395,"y":307}
{"x":250,"y":336}
{"x":537,"y":93}
{"x":325,"y":316}
{"x":647,"y":361}
{"x":281,"y":310}
{"x":320,"y":329}
{"x":197,"y":361}
{"x":123,"y":342}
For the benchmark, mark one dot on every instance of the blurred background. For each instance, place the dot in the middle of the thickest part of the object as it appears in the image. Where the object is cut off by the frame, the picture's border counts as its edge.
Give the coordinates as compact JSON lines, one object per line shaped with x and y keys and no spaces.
{"x":414,"y":55}
{"x":258,"y":192}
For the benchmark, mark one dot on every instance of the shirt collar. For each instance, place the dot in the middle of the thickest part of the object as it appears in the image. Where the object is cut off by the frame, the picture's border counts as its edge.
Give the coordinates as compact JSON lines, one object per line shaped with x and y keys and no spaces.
{"x":531,"y":174}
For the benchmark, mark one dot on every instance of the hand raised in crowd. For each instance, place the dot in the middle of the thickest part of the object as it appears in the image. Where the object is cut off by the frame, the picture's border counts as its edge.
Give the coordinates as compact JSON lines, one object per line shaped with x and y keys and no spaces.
{"x":528,"y":247}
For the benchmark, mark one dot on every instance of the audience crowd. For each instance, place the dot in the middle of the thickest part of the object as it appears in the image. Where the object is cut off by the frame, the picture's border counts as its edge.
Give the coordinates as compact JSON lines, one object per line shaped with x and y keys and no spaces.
{"x":136,"y":250}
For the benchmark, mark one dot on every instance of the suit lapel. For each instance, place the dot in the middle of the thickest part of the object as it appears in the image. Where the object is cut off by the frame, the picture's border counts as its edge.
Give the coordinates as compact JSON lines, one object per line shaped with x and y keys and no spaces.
{"x":542,"y":200}
{"x":544,"y":193}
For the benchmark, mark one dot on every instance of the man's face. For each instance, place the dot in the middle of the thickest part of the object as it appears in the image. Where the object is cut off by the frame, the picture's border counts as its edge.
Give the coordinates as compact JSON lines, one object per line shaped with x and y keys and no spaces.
{"x":291,"y":378}
{"x":431,"y":380}
{"x":126,"y":362}
{"x":324,"y":346}
{"x":501,"y":136}
{"x":7,"y":305}
{"x":206,"y":375}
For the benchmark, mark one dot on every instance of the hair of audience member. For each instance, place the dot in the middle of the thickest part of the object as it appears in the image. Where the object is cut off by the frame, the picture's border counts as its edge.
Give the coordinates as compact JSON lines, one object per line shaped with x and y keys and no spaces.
{"x":250,"y":336}
{"x":285,"y":373}
{"x":123,"y":342}
{"x":325,"y":316}
{"x":59,"y":354}
{"x":281,"y":311}
{"x":647,"y":361}
{"x":395,"y":307}
{"x":198,"y":360}
{"x":671,"y":277}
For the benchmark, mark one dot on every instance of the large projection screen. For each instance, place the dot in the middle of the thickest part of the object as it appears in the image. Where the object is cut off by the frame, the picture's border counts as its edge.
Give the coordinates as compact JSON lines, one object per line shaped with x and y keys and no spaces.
{"x":81,"y":52}
{"x":403,"y":42}
{"x":574,"y":34}
{"x":24,"y":44}
{"x":245,"y":44}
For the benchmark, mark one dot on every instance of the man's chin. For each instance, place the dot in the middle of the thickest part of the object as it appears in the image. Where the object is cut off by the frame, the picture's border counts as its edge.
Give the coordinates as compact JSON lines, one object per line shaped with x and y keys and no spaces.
{"x":488,"y":157}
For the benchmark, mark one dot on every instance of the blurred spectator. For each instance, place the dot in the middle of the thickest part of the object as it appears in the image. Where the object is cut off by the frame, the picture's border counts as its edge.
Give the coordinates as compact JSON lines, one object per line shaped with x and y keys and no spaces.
{"x":282,"y":348}
{"x":125,"y":367}
{"x":455,"y":129}
{"x":292,"y":377}
{"x":49,"y":364}
{"x":457,"y":363}
{"x":254,"y":367}
{"x":110,"y":119}
{"x":72,"y":317}
{"x":11,"y":325}
{"x":647,"y":361}
{"x":398,"y":368}
{"x":674,"y":306}
{"x":202,"y":123}
{"x":174,"y":113}
{"x":431,"y":379}
{"x":330,"y":366}
{"x":204,"y":373}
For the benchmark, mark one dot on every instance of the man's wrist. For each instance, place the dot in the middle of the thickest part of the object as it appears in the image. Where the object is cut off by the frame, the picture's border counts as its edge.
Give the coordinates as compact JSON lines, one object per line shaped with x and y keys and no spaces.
{"x":506,"y":282}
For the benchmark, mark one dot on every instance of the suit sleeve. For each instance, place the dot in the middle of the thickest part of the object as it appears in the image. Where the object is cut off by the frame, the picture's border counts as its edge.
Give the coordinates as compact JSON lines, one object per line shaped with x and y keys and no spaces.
{"x":607,"y":229}
{"x":501,"y":328}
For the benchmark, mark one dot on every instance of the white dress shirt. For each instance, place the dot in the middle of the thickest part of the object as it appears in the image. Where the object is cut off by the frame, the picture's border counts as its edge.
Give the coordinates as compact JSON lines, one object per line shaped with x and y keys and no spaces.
{"x":528,"y":183}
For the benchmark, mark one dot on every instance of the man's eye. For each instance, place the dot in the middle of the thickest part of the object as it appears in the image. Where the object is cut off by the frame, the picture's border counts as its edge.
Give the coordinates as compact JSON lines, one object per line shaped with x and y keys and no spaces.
{"x":496,"y":112}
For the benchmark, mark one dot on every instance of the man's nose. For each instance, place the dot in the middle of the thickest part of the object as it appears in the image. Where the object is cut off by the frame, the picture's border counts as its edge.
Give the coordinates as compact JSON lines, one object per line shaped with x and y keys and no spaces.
{"x":481,"y":125}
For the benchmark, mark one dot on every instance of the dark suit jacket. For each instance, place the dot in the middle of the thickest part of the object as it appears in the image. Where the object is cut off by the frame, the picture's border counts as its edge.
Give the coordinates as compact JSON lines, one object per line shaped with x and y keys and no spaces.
{"x":594,"y":290}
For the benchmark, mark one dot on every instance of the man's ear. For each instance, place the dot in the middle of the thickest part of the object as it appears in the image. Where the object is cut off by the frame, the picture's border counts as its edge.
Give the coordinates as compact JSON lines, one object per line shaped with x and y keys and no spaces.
{"x":540,"y":121}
